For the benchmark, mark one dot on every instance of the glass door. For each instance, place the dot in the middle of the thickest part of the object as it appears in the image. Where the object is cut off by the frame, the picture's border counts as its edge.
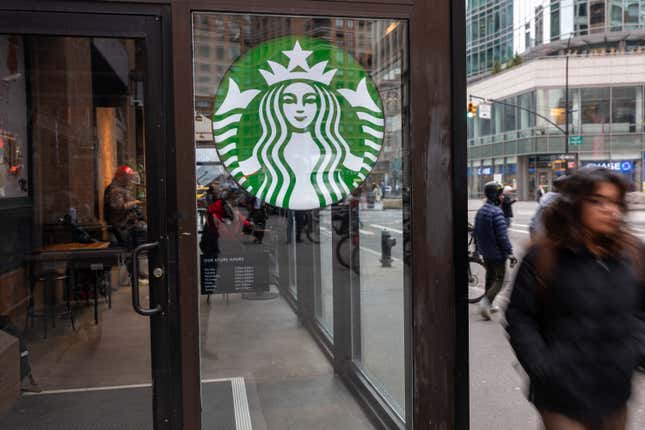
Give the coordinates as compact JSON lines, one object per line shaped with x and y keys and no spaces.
{"x":302,"y":254}
{"x":82,"y":259}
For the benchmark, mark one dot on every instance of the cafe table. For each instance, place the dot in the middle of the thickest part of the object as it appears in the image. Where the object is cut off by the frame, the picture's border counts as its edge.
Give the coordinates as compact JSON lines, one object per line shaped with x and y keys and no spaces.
{"x":99,"y":257}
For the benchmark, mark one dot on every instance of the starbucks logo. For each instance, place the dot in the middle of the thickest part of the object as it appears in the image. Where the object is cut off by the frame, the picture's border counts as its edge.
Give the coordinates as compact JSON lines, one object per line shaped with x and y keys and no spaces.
{"x":298,"y":123}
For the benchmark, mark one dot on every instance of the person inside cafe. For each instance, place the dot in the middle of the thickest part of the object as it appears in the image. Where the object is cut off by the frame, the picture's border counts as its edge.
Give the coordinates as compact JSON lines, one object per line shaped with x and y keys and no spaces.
{"x":28,"y":383}
{"x":122,"y":211}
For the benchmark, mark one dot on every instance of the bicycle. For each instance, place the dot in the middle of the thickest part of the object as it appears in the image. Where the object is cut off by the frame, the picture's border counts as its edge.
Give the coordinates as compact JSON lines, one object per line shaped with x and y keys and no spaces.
{"x":348,"y":246}
{"x":475,"y":270}
{"x":312,"y":226}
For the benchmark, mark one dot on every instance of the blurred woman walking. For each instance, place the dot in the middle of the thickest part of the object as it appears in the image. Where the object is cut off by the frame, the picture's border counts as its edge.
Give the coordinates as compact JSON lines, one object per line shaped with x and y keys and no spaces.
{"x":574,"y":319}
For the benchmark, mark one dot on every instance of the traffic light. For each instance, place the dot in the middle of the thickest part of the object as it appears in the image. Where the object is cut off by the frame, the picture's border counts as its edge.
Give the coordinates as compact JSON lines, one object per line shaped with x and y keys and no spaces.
{"x":472,"y":110}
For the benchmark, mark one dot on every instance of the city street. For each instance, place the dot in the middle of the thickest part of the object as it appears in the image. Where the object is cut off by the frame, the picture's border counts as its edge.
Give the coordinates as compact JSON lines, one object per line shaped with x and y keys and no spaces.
{"x":497,"y":401}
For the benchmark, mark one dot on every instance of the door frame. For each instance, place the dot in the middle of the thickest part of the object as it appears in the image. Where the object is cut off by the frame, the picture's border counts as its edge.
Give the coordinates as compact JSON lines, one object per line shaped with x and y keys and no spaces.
{"x":437,"y":325}
{"x":150,"y":23}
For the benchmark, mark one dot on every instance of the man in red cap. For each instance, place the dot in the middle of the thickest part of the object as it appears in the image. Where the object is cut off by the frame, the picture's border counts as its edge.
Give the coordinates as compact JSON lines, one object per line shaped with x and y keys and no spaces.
{"x":121,"y":208}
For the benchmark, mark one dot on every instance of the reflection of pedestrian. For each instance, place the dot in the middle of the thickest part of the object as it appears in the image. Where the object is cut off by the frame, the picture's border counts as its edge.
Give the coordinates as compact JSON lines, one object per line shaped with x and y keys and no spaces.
{"x":574,"y":318}
{"x":378,"y":194}
{"x":300,"y":218}
{"x":259,"y":218}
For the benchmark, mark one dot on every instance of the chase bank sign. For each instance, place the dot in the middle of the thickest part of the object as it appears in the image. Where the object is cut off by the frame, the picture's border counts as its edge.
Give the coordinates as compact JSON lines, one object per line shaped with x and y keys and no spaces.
{"x":625,"y":166}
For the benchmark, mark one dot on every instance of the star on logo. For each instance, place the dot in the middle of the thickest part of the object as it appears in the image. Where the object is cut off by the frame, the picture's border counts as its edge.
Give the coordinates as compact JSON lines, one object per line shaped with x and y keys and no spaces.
{"x":297,"y":57}
{"x":298,"y":68}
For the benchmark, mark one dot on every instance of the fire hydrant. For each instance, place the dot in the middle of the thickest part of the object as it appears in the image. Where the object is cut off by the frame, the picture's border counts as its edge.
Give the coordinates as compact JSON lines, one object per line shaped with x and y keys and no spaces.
{"x":387,"y":242}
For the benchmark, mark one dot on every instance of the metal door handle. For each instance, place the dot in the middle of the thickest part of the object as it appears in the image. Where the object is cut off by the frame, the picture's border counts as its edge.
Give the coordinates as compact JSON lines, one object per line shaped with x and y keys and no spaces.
{"x":136,"y":304}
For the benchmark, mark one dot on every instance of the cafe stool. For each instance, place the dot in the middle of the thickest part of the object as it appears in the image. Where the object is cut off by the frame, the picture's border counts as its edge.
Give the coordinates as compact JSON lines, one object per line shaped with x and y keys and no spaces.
{"x":49,"y":279}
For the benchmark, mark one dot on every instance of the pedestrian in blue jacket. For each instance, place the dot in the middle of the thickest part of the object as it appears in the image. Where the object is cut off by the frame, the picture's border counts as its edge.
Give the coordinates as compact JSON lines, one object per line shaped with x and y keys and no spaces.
{"x":493,"y":244}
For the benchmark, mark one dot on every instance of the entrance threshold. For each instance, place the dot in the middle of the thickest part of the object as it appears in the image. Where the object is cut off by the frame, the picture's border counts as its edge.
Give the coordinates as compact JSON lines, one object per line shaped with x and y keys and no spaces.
{"x":93,"y":407}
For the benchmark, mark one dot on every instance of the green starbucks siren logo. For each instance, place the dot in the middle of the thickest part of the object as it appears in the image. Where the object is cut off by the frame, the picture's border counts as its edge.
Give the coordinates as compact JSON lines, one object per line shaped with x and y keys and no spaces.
{"x":298,"y":123}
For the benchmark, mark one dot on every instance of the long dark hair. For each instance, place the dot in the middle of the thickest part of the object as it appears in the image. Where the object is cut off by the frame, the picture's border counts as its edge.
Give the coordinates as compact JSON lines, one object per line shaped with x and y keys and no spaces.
{"x":563,"y":228}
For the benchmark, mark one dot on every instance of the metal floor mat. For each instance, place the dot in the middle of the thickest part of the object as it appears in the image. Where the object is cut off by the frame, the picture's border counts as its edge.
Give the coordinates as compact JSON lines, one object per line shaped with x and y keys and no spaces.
{"x":120,"y":408}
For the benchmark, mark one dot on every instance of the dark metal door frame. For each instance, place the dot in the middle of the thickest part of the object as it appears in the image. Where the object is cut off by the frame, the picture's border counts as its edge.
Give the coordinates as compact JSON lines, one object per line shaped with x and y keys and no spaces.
{"x":437,"y":326}
{"x":151,"y":25}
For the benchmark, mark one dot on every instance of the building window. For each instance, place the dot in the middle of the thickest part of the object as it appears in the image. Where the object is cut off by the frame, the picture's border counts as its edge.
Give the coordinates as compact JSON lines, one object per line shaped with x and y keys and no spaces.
{"x":539,"y":25}
{"x":555,"y":20}
{"x":595,"y":109}
{"x":623,"y":109}
{"x":597,"y":16}
{"x":581,"y":19}
{"x":203,"y":51}
{"x":509,"y":123}
{"x":631,"y":14}
{"x":616,"y":15}
{"x":526,"y":118}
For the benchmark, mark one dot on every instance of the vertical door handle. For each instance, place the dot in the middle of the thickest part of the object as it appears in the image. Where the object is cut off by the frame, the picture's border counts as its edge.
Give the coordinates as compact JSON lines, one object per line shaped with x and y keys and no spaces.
{"x":136,"y":303}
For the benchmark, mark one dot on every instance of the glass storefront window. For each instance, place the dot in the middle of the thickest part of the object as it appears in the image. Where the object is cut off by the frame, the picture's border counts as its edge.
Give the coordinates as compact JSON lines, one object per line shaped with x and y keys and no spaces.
{"x":510,"y":115}
{"x":595,"y":109}
{"x":526,"y":118}
{"x":324,"y":295}
{"x":337,"y":87}
{"x":623,"y":109}
{"x":14,"y":168}
{"x":381,"y":276}
{"x":485,"y":126}
{"x":75,"y":108}
{"x":551,"y":104}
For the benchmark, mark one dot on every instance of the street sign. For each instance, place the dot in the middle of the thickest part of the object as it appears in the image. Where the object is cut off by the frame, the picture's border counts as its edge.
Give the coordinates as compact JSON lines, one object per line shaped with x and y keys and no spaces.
{"x":576,"y":140}
{"x":485,"y":110}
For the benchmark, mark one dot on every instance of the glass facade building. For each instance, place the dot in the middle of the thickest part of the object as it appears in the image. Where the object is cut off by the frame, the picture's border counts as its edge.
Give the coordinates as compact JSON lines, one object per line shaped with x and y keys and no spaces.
{"x":489,"y":34}
{"x":522,"y":143}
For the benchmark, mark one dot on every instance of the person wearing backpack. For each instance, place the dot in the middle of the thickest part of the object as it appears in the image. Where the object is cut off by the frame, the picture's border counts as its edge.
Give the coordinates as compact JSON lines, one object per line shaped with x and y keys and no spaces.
{"x":575,"y":315}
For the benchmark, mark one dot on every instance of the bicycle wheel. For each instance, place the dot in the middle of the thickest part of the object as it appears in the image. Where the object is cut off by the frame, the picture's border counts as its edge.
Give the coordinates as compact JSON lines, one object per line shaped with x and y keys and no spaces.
{"x":343,"y":251}
{"x":313,"y":233}
{"x":476,"y":280}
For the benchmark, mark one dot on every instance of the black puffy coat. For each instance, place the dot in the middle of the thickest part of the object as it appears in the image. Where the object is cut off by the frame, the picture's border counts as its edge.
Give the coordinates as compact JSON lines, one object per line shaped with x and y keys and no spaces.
{"x":491,"y":233}
{"x":579,"y":334}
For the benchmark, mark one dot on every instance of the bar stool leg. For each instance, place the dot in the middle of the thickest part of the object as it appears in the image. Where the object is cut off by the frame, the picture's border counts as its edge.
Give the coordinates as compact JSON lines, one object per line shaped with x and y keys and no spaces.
{"x":69,"y":292}
{"x":30,"y":305}
{"x":108,"y":284}
{"x":52,"y":292}
{"x":45,"y":303}
{"x":96,"y":300}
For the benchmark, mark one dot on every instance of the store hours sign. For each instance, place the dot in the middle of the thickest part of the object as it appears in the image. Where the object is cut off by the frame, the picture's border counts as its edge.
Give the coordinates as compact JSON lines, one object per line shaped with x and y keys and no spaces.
{"x":298,"y":123}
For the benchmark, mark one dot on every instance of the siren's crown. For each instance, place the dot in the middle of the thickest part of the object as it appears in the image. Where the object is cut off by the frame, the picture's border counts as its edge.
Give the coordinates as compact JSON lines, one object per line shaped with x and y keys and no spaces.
{"x":298,"y":68}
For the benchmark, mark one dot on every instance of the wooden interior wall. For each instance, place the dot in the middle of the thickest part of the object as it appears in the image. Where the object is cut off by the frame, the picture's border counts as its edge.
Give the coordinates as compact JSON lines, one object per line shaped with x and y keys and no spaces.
{"x":14,"y":294}
{"x":63,"y":128}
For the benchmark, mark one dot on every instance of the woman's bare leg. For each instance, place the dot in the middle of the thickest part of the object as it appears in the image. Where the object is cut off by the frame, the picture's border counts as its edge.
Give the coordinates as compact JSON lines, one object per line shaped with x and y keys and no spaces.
{"x":555,"y":421}
{"x":616,"y":421}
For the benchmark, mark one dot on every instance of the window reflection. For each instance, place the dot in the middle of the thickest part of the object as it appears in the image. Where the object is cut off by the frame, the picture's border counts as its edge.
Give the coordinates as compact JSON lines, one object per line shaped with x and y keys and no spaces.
{"x":314,"y":259}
